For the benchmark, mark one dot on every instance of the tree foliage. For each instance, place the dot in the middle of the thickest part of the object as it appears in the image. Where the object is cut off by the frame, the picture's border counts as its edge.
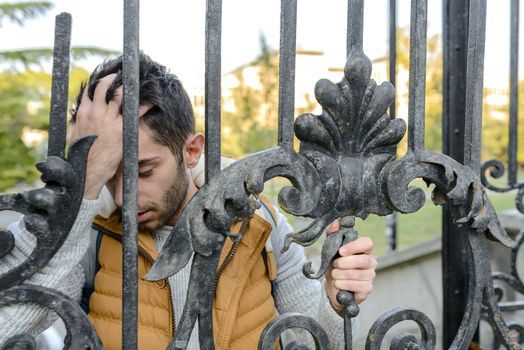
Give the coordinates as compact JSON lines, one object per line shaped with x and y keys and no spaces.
{"x":35,"y":57}
{"x":24,"y":107}
{"x":251,"y":124}
{"x":25,"y":90}
{"x":495,"y":116}
{"x":434,"y":66}
{"x":20,"y":12}
{"x":495,"y":128}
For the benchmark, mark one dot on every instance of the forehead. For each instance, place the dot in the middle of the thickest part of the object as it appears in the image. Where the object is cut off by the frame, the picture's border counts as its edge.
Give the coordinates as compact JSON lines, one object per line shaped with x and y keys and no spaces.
{"x":147,"y":144}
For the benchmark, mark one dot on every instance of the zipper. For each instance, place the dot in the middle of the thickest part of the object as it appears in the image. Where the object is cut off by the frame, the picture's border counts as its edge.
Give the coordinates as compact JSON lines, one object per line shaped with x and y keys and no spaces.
{"x":231,"y":253}
{"x":142,"y":252}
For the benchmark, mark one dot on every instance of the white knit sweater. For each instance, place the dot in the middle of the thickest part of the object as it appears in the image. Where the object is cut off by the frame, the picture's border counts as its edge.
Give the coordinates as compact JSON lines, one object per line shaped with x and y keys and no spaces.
{"x":292,"y":290}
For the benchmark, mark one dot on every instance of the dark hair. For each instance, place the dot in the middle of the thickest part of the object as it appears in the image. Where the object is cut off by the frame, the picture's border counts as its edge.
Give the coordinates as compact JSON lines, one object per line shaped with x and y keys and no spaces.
{"x":171,"y":118}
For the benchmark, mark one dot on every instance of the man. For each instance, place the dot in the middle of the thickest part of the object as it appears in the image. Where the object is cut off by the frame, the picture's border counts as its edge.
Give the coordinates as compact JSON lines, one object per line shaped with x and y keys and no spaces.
{"x":251,"y":284}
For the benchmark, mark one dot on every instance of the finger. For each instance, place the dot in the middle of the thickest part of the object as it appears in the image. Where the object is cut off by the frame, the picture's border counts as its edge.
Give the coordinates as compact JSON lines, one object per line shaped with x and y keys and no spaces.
{"x":85,"y":105}
{"x":358,"y":246}
{"x":99,"y":98}
{"x":361,"y":261}
{"x":333,"y":227}
{"x":356,"y":275}
{"x":114,"y":105}
{"x":360,"y":297}
{"x":354,"y":286}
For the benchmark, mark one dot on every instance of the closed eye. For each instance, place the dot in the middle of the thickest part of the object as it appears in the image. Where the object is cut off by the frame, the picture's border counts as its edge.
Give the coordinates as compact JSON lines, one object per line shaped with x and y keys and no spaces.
{"x":144,"y":174}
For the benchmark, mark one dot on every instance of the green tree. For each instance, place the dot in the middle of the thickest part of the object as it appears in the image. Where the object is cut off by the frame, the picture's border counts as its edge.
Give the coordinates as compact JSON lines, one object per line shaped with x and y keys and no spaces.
{"x":25,"y":90}
{"x":251,"y":122}
{"x":24,"y":110}
{"x":495,"y":126}
{"x":495,"y":118}
{"x":20,"y":12}
{"x":434,"y":66}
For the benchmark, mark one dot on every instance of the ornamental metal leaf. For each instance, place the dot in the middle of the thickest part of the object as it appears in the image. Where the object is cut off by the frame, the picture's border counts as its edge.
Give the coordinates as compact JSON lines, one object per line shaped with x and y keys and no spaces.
{"x":346,"y":167}
{"x":49,"y":212}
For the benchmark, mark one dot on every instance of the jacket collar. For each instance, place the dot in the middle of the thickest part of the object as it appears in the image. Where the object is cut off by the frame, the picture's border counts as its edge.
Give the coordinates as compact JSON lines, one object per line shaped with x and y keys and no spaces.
{"x":113,"y":224}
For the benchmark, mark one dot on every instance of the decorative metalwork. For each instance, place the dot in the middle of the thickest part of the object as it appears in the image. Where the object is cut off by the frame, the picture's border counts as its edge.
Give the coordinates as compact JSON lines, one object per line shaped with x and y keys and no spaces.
{"x":49,"y":213}
{"x":80,"y":332}
{"x":403,"y":340}
{"x":346,"y":167}
{"x":514,"y":281}
{"x":282,"y":322}
{"x":496,"y":170}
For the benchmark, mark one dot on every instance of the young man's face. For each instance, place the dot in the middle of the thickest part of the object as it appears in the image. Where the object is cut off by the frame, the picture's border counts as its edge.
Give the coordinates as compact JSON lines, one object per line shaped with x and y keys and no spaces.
{"x":163,"y":183}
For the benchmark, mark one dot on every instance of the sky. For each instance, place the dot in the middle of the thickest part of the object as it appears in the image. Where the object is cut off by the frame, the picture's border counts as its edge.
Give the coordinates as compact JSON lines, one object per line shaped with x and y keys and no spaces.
{"x":172,"y":31}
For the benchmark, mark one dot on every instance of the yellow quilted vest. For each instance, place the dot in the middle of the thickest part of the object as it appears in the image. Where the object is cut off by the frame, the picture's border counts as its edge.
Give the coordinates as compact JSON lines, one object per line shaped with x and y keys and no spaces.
{"x":243,"y":303}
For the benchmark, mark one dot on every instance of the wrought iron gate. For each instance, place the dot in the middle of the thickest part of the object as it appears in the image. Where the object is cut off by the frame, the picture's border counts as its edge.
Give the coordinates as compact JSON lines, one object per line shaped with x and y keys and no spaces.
{"x":346,"y":167}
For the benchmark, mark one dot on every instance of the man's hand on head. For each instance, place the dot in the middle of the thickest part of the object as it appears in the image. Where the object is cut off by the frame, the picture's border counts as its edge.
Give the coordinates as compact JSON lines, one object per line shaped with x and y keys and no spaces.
{"x":98,"y":117}
{"x":353,"y":271}
{"x":101,"y":118}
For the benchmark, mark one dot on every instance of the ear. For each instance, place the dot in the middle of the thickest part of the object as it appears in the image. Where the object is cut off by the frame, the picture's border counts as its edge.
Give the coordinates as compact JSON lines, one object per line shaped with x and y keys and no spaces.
{"x":193,"y":149}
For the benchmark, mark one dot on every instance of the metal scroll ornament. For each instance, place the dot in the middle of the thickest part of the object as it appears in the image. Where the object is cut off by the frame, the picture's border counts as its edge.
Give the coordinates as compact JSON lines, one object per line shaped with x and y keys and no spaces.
{"x":346,"y":167}
{"x":50,"y":213}
{"x":496,"y":170}
{"x":514,"y":281}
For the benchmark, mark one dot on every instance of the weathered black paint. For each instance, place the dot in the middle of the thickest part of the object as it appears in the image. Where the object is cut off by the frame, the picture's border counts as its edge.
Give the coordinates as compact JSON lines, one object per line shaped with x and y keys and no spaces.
{"x":454,"y":281}
{"x":346,"y":167}
{"x":130,"y":176}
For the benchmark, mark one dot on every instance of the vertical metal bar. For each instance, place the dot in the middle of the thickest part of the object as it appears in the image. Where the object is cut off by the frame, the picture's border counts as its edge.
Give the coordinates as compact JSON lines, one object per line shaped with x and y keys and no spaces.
{"x":391,"y":226}
{"x":60,"y":83}
{"x":417,"y":75}
{"x":213,"y":90}
{"x":474,"y":84}
{"x":454,"y":281}
{"x":393,"y":52}
{"x":513,"y":93}
{"x":286,"y":78}
{"x":355,"y":31}
{"x":391,"y":231}
{"x":130,"y":176}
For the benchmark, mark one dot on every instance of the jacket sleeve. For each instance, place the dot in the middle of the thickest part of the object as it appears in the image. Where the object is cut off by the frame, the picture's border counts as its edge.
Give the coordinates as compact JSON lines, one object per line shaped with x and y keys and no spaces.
{"x":294,"y":292}
{"x":62,"y":273}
